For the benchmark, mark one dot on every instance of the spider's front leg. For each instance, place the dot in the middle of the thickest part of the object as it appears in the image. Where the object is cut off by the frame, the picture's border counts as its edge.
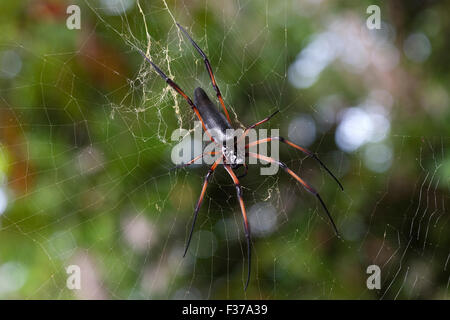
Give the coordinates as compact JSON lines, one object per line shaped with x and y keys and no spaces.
{"x":244,"y":215}
{"x":177,"y":88}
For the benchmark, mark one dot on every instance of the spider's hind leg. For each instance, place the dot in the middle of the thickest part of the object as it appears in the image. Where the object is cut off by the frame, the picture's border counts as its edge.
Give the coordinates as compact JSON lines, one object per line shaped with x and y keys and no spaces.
{"x":305,"y":151}
{"x":303,"y":183}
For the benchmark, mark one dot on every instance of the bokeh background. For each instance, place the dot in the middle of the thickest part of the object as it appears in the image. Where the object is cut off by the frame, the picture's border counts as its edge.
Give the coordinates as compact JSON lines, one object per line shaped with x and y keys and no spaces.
{"x":85,"y":145}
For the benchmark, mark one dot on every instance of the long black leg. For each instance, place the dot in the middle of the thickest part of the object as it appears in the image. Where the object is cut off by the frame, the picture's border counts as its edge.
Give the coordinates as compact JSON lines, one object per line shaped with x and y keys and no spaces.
{"x":199,"y":202}
{"x":183,"y":165}
{"x":309,"y":153}
{"x":304,"y":184}
{"x":177,"y":89}
{"x":245,"y":171}
{"x":210,"y":72}
{"x":263,"y":120}
{"x":244,"y":215}
{"x":257,"y":124}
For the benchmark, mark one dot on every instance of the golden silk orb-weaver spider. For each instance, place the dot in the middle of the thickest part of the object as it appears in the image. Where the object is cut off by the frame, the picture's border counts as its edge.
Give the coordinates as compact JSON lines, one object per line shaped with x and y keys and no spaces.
{"x":214,"y":121}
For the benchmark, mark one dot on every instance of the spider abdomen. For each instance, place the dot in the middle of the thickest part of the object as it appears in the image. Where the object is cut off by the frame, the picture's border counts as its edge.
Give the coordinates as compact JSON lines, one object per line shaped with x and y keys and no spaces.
{"x":215,"y":121}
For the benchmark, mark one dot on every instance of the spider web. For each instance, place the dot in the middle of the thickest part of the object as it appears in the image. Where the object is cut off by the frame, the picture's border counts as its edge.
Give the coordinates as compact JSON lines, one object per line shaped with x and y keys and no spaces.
{"x":85,"y":163}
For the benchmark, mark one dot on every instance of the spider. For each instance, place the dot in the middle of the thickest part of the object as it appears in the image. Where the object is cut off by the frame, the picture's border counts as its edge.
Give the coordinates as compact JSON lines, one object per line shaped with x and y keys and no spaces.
{"x":213,"y":120}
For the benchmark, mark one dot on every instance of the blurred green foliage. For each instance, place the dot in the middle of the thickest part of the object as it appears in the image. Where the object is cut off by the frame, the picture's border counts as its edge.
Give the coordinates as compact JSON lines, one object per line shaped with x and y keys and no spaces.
{"x":85,"y":147}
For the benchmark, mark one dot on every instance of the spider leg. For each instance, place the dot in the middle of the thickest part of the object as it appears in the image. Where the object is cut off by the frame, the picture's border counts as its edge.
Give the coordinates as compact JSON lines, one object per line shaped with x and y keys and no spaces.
{"x":208,"y":67}
{"x":199,"y":202}
{"x":183,"y":165}
{"x":245,"y":171}
{"x":171,"y":83}
{"x":304,"y":184}
{"x":257,"y":124}
{"x":262,"y":121}
{"x":307,"y":152}
{"x":244,"y":215}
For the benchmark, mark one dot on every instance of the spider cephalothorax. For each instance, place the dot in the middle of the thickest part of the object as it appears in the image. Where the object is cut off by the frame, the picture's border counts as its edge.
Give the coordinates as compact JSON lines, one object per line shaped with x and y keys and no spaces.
{"x":218,"y":126}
